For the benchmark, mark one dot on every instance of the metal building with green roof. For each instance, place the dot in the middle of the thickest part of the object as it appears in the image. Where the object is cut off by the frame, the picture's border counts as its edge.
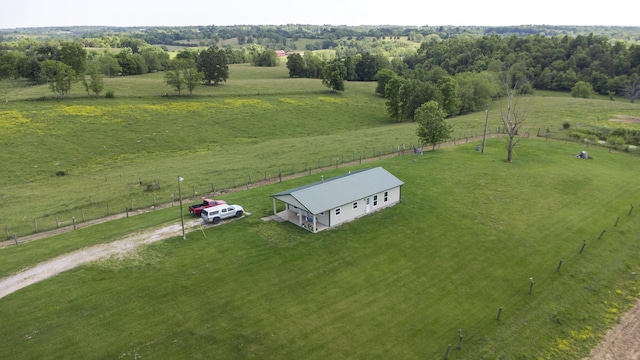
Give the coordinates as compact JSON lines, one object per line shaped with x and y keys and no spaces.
{"x":330,"y":202}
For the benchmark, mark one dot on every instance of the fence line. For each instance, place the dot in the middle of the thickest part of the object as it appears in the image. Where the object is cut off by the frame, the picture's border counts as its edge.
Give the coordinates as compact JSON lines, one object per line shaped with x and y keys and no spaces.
{"x":95,"y":210}
{"x":543,"y":278}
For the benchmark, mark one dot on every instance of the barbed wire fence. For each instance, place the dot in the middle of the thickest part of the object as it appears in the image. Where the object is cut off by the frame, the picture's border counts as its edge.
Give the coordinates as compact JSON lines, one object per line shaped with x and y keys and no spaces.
{"x":151,"y":199}
{"x":539,"y":281}
{"x":149,"y":196}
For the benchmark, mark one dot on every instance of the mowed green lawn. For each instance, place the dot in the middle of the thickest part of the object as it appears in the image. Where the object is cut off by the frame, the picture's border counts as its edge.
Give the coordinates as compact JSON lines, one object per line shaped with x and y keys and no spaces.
{"x":470,"y":232}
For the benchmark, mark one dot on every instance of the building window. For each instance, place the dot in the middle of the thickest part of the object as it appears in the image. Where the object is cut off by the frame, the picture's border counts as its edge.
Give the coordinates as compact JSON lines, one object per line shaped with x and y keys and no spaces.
{"x":386,"y":196}
{"x":355,"y":205}
{"x":375,"y":200}
{"x":337,"y":211}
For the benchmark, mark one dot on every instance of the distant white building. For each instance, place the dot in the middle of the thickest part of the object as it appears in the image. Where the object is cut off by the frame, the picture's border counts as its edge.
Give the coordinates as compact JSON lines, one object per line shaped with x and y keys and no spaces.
{"x":331,"y":202}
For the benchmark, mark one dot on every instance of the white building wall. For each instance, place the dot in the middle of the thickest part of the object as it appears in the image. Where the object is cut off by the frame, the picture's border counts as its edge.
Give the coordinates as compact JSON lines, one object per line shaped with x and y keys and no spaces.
{"x":377,"y":201}
{"x":347,"y":211}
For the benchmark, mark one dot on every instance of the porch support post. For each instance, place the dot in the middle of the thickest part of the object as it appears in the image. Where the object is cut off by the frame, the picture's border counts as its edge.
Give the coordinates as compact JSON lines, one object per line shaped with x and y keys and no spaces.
{"x":274,"y":207}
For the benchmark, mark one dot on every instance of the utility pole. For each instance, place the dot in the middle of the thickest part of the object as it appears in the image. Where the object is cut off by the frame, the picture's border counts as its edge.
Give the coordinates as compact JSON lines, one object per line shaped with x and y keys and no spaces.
{"x":184,"y":237}
{"x":486,"y":125}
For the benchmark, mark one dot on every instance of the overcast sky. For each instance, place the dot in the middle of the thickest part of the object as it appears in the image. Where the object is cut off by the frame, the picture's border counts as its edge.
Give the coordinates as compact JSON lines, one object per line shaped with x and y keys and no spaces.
{"x":37,"y":13}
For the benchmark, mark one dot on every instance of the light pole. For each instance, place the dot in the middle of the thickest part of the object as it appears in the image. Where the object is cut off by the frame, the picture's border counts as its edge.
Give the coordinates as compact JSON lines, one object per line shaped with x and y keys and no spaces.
{"x":486,"y":124}
{"x":181,"y":210}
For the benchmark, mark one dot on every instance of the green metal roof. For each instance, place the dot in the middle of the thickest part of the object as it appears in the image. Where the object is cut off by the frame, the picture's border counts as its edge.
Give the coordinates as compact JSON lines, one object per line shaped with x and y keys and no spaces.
{"x":340,"y":190}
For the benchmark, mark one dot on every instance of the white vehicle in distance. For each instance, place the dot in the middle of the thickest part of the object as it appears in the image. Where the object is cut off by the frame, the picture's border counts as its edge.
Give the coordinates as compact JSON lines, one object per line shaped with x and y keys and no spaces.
{"x":220,"y":212}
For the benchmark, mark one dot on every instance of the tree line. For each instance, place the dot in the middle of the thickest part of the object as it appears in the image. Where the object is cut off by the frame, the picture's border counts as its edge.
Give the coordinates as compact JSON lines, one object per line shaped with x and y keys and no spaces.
{"x":583,"y":64}
{"x":62,"y":63}
{"x":284,"y":36}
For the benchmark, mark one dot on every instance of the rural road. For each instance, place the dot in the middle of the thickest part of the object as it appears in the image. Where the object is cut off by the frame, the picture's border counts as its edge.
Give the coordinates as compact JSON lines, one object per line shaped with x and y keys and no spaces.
{"x":57,"y":265}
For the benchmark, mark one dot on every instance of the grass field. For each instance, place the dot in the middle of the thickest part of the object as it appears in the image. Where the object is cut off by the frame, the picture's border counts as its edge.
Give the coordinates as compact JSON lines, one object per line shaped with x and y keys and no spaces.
{"x":470,"y":232}
{"x":254,"y":126}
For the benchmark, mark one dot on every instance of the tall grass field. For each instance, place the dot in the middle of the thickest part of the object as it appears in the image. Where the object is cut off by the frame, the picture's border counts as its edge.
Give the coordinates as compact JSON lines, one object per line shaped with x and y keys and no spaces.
{"x":469,"y":234}
{"x":84,"y":157}
{"x":474,"y":237}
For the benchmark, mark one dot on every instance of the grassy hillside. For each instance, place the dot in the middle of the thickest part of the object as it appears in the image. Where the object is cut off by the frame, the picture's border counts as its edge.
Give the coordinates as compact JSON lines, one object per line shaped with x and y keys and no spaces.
{"x":127,"y":152}
{"x":470,"y":232}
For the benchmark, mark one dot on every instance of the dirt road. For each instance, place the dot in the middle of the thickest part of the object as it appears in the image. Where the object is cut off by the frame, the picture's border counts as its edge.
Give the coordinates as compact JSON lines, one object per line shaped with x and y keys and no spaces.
{"x":623,"y":341}
{"x":55,"y":266}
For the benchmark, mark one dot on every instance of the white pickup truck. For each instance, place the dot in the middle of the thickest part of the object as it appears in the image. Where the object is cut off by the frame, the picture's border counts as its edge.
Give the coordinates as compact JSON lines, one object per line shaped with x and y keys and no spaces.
{"x":220,"y":212}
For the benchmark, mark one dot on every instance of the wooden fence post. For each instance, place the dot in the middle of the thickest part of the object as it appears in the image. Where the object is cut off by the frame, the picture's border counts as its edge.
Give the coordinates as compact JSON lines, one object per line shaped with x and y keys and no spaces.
{"x":530,"y":286}
{"x":559,"y":265}
{"x":499,"y":313}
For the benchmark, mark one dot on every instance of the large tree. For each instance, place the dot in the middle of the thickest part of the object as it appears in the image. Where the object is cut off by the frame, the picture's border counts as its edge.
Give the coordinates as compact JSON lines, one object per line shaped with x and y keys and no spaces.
{"x":74,"y":55}
{"x":30,"y":69}
{"x":182,"y":74}
{"x":433,"y":128}
{"x":367,"y":67}
{"x":262,"y":57}
{"x":109,"y":65}
{"x":95,"y":83}
{"x":382,"y":77}
{"x":313,"y":65}
{"x":393,"y":94}
{"x":212,"y":63}
{"x":10,"y":64}
{"x":295,"y":64}
{"x":333,"y":75}
{"x":59,"y":75}
{"x":127,"y":62}
{"x":155,"y":58}
{"x":415,"y":93}
{"x":192,"y":77}
{"x":448,"y":87}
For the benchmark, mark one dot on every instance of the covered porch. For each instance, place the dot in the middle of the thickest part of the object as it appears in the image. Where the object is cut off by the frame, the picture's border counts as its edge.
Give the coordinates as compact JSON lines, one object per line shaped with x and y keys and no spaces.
{"x":308,"y":222}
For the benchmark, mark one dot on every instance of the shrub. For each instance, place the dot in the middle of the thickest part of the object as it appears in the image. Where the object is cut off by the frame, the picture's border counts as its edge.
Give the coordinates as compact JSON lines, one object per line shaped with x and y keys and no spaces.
{"x":566,"y":125}
{"x":582,"y":90}
{"x":110,"y":94}
{"x":620,"y":132}
{"x":591,"y":139}
{"x":616,"y":142}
